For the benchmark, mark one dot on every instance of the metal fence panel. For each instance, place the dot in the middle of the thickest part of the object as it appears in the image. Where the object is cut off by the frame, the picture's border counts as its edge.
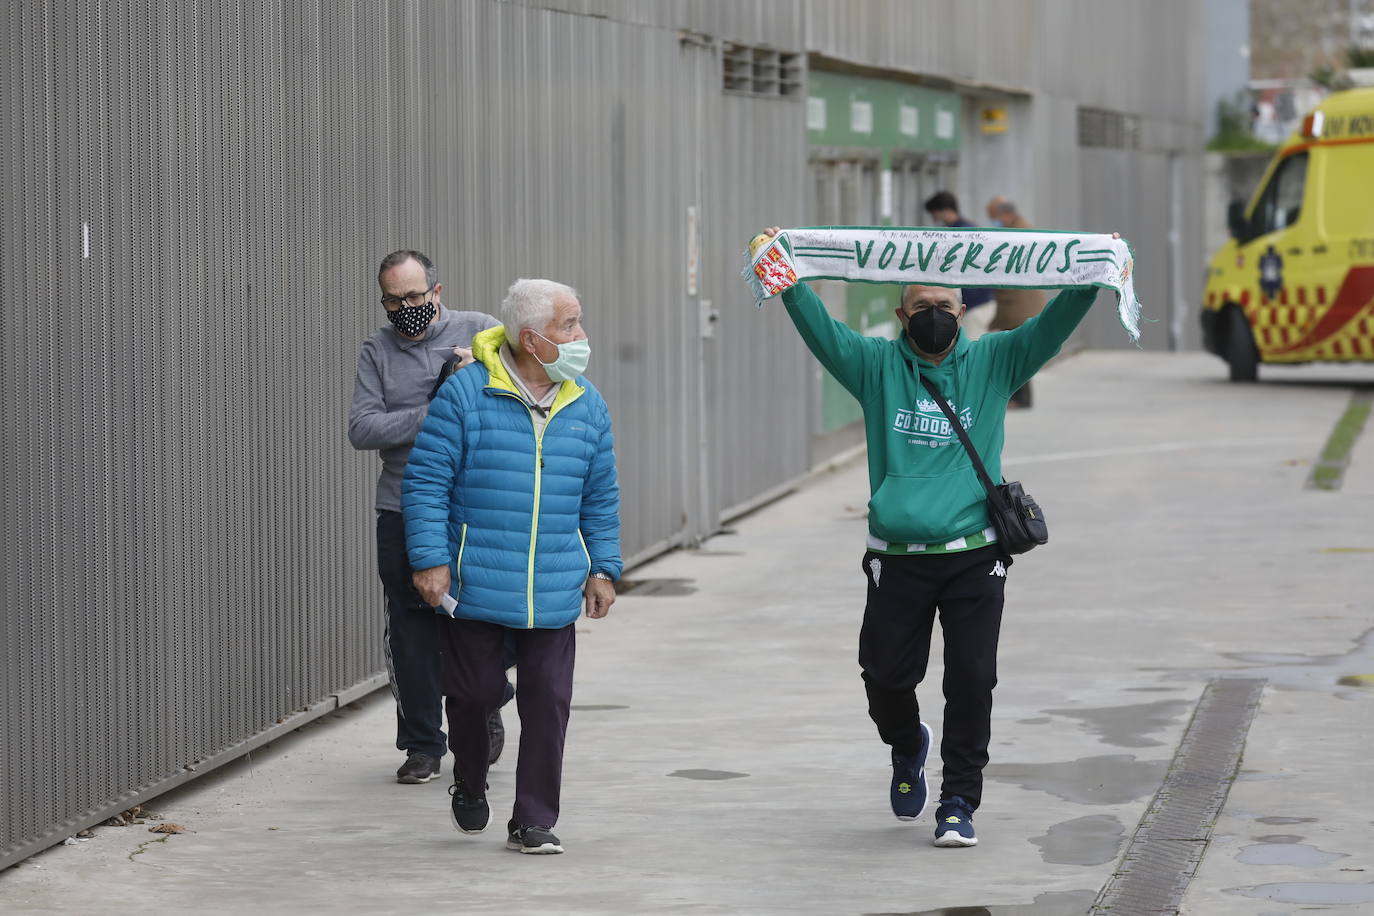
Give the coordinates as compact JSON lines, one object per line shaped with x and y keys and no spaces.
{"x":195,"y":198}
{"x":759,"y":397}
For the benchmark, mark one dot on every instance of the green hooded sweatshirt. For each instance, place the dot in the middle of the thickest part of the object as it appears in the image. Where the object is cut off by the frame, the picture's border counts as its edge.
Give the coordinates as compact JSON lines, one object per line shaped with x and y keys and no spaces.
{"x":924,"y":488}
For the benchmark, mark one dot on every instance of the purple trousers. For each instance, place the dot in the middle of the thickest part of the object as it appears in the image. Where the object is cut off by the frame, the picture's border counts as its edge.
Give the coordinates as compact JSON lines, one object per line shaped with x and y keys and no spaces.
{"x":475,"y":685}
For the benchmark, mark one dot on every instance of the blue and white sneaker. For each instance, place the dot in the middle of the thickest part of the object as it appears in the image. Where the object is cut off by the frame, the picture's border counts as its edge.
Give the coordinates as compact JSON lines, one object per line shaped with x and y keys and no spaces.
{"x":954,"y":823}
{"x":909,"y":792}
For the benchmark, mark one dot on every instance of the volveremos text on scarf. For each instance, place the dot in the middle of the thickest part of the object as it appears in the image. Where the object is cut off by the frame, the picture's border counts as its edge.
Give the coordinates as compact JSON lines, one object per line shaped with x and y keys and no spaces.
{"x":975,"y":257}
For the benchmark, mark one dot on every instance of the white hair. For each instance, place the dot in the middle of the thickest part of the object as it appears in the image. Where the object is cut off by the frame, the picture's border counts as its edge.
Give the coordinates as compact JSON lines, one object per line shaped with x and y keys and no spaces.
{"x":530,"y":304}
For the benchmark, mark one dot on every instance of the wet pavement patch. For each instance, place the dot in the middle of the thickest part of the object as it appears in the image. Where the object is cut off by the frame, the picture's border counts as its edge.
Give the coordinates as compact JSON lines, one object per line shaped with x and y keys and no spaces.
{"x":1054,"y":903}
{"x":1092,"y":840}
{"x":1126,"y":726}
{"x":597,"y":707}
{"x":1277,"y":821}
{"x":1113,"y":779}
{"x":1299,"y":854}
{"x":1328,"y":894}
{"x":1036,"y":720}
{"x":1260,"y":776}
{"x":707,"y":774}
{"x":660,"y":588}
{"x":1319,"y":672}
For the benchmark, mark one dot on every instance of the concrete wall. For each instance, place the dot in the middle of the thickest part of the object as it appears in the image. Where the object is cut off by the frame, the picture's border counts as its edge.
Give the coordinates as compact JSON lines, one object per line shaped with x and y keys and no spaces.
{"x":1227,"y":53}
{"x":1048,"y":62}
{"x":1227,"y":177}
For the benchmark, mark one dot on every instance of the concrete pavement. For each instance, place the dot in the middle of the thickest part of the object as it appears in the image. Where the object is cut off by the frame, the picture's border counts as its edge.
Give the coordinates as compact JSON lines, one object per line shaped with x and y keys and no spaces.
{"x":719,"y":757}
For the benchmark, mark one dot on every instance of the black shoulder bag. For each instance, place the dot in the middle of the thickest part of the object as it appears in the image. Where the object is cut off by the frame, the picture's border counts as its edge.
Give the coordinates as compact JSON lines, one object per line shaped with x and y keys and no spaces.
{"x":1019,"y":523}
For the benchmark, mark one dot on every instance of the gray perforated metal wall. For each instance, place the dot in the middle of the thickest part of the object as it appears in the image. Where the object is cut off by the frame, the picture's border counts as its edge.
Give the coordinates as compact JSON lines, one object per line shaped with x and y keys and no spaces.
{"x":195,"y":199}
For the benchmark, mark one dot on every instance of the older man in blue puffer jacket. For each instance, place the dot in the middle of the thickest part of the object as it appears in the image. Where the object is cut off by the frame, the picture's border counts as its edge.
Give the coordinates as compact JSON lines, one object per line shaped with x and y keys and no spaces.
{"x":512,"y":512}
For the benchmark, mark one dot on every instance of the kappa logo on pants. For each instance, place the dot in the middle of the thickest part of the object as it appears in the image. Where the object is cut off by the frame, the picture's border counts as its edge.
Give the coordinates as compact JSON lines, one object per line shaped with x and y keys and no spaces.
{"x":877,"y":569}
{"x":998,"y":570}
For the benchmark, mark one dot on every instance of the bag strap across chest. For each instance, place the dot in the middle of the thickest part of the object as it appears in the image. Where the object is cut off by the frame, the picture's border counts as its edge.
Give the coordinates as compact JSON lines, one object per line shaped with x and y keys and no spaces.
{"x":993,"y":493}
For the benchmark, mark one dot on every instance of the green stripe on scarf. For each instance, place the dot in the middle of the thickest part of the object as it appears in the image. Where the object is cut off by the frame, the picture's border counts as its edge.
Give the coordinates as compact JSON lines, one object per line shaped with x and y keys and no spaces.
{"x":976,"y":257}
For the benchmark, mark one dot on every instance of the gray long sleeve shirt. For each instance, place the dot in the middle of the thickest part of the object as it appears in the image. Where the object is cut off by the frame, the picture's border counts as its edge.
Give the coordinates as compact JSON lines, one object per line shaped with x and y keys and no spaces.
{"x":391,"y":394}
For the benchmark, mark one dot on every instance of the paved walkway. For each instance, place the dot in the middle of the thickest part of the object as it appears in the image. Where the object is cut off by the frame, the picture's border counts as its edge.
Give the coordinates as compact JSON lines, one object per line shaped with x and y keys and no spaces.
{"x":719,"y":758}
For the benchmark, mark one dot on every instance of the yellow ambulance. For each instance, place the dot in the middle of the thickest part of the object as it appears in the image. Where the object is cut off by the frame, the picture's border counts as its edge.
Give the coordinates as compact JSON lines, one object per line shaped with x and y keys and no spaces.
{"x":1296,"y":282}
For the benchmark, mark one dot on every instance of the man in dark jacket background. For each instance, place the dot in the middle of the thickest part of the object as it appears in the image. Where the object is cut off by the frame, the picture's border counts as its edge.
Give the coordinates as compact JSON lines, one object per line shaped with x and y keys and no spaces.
{"x":980,"y":303}
{"x":1014,"y":306}
{"x":398,"y":370}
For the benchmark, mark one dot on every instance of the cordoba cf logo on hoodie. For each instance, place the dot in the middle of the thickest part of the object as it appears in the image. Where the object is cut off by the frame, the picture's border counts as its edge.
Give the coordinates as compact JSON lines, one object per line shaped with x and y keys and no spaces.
{"x":927,"y":424}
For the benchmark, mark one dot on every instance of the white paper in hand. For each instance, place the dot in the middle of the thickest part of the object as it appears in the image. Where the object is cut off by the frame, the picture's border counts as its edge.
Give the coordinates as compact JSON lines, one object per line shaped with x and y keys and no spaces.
{"x":449,"y":604}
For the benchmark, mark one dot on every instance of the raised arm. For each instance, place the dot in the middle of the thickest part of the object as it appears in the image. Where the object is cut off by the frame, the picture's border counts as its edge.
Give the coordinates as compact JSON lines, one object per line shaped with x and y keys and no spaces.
{"x":1024,"y":350}
{"x":843,"y":351}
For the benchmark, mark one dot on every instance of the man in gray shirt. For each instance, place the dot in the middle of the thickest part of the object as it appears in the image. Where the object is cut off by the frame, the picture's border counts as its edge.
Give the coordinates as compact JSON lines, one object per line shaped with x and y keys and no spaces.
{"x":399,"y":369}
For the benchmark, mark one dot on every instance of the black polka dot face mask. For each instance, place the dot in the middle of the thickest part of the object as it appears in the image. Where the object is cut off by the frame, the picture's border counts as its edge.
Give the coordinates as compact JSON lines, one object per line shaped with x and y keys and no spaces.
{"x":410,"y":320}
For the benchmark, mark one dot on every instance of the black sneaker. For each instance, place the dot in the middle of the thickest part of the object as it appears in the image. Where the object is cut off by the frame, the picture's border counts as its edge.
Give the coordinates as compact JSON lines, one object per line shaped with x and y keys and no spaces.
{"x":471,"y":814}
{"x":909,"y":792}
{"x":954,"y":823}
{"x":496,"y":734}
{"x":418,"y":768}
{"x":535,"y":841}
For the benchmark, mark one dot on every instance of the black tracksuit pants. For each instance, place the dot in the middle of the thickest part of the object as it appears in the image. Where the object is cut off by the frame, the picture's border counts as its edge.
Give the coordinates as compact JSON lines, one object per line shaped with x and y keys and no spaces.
{"x":414,"y":656}
{"x":411,"y":641}
{"x":905,"y":592}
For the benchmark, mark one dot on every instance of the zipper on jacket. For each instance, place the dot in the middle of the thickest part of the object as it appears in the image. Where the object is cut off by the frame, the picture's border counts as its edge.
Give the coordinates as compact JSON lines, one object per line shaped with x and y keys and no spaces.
{"x":534,"y":514}
{"x":534,"y":519}
{"x":538,"y":488}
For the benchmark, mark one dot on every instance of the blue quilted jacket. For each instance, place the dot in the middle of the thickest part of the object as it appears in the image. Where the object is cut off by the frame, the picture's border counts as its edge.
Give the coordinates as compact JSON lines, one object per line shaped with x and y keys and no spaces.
{"x":520,"y":521}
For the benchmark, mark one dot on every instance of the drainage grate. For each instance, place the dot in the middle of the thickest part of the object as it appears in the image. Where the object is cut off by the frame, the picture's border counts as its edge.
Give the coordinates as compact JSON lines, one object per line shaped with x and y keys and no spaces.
{"x":1171,"y":837}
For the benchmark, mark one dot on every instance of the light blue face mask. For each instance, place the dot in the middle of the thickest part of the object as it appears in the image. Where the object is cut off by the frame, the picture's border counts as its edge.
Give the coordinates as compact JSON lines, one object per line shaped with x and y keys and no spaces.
{"x":996,"y":222}
{"x":572,"y":359}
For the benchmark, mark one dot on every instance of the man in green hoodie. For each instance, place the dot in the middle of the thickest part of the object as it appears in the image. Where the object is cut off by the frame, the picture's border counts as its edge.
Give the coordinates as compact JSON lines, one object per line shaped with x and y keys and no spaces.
{"x":931,"y":548}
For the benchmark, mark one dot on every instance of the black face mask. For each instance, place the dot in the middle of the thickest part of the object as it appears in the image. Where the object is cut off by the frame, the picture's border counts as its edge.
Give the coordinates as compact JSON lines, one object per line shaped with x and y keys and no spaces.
{"x":932,"y":330}
{"x":410,"y":320}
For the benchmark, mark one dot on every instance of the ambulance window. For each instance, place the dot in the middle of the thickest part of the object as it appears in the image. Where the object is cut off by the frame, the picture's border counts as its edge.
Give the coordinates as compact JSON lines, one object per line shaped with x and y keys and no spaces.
{"x":1347,"y":168}
{"x":1281,"y":204}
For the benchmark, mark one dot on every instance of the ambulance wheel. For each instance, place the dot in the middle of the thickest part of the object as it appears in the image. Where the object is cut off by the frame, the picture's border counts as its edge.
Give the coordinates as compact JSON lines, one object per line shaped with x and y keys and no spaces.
{"x":1241,"y":354}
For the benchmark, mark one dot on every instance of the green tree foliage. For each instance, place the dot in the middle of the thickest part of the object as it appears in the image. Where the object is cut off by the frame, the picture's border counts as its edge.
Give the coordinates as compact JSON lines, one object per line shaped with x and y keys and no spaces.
{"x":1358,"y":57}
{"x":1329,"y":78}
{"x":1233,"y":128}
